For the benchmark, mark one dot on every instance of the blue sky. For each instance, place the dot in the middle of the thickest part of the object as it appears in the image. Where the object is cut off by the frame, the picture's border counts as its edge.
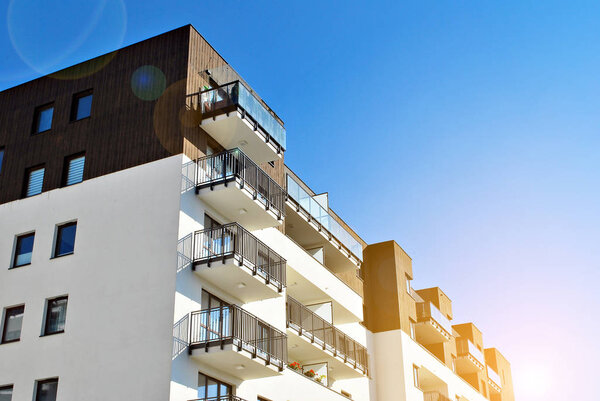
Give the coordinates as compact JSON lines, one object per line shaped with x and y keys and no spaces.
{"x":465,"y":130}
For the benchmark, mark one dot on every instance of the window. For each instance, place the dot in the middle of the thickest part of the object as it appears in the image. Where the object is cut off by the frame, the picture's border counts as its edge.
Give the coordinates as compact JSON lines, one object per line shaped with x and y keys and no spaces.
{"x":73,"y":169}
{"x":413,"y":334}
{"x":46,"y":390}
{"x":6,"y":393}
{"x":11,"y":329}
{"x":65,"y":239}
{"x":416,"y":376}
{"x":42,"y":120}
{"x":23,"y":250}
{"x":82,"y":105}
{"x":408,"y":285}
{"x":1,"y":159}
{"x":56,"y":314}
{"x":209,"y":388}
{"x":34,"y":181}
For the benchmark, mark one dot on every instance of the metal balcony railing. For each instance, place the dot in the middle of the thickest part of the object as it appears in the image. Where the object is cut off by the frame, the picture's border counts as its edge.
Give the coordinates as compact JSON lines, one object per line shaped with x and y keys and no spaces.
{"x":235,"y":96}
{"x":434,"y":396}
{"x":227,"y":166}
{"x":234,"y":241}
{"x":465,"y":347}
{"x":233,"y":325}
{"x":317,"y":329}
{"x":221,"y":398}
{"x":427,"y":310}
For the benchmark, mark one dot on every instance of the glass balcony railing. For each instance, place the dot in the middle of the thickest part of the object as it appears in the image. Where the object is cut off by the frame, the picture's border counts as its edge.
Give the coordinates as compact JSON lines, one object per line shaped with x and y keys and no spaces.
{"x":493,"y":376}
{"x":466,"y":347}
{"x":227,"y":97}
{"x":321,"y":215}
{"x":427,"y":310}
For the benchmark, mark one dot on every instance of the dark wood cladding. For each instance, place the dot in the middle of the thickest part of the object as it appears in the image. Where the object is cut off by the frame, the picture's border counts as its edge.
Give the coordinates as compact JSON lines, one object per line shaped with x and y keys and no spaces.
{"x":123,"y":131}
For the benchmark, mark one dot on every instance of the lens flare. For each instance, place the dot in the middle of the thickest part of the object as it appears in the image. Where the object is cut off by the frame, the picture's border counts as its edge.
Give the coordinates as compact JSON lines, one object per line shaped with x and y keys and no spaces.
{"x":148,"y":82}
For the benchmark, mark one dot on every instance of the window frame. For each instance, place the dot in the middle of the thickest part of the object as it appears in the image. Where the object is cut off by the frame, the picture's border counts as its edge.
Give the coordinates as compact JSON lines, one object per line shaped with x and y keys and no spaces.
{"x":36,"y":118}
{"x":46,"y":316}
{"x":416,"y":376}
{"x":66,"y":167}
{"x":18,"y":238}
{"x":28,"y":172}
{"x":44,"y":381}
{"x":2,"y":155}
{"x":75,"y":104}
{"x":4,"y":324}
{"x":7,"y":387}
{"x":219,"y":383}
{"x":58,"y":236}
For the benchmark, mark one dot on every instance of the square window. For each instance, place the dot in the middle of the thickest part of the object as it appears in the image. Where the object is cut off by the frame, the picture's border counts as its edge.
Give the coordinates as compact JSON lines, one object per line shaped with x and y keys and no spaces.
{"x":56,"y":315}
{"x":73,"y":169}
{"x":23,"y":250}
{"x":65,"y":239}
{"x":11,"y":327}
{"x":43,"y":118}
{"x":82,"y":105}
{"x":6,"y":393}
{"x":1,"y":160}
{"x":34,"y":181}
{"x":46,"y":390}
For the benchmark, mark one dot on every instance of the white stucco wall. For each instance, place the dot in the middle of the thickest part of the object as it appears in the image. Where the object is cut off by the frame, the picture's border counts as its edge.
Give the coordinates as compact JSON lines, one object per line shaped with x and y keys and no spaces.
{"x":120,"y":283}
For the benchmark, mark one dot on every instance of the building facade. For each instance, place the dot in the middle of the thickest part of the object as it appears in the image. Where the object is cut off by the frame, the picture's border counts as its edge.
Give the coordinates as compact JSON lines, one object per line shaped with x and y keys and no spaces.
{"x":156,"y":246}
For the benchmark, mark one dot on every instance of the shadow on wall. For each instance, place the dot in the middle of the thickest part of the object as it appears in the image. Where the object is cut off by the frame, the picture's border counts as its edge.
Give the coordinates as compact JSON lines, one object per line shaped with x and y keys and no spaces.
{"x":184,"y":252}
{"x":188,"y":176}
{"x":180,"y":336}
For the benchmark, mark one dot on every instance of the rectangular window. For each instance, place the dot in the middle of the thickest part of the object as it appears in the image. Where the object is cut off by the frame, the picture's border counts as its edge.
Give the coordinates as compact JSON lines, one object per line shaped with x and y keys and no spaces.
{"x":34,"y":181}
{"x":13,"y":320}
{"x":6,"y":393}
{"x":65,"y":239}
{"x":209,"y":388}
{"x":42,"y":120}
{"x":413,"y":334}
{"x":416,"y":376}
{"x":56,"y":315}
{"x":82,"y":105}
{"x":46,"y":390}
{"x":1,"y":160}
{"x":73,"y":169}
{"x":23,"y":250}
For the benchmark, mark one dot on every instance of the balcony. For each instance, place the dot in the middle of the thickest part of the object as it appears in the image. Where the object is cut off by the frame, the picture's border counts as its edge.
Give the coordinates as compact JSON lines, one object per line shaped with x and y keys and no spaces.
{"x":221,"y":398}
{"x":469,"y":358}
{"x":434,"y":396}
{"x":236,"y":261}
{"x":233,"y":340}
{"x":494,"y":380}
{"x":315,"y":339}
{"x":235,"y":117}
{"x":240,"y":190}
{"x":432,"y":326}
{"x":312,"y":226}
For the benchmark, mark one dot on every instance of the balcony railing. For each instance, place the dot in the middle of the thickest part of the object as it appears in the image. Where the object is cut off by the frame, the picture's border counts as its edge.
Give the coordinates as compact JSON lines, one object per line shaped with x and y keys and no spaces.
{"x":427,"y":310}
{"x":317,"y":213}
{"x":493,"y":376}
{"x":234,"y":241}
{"x":313,"y":326}
{"x":233,"y":164}
{"x":235,"y":96}
{"x":434,"y":396}
{"x":233,"y":325}
{"x":465,"y":347}
{"x":221,"y":398}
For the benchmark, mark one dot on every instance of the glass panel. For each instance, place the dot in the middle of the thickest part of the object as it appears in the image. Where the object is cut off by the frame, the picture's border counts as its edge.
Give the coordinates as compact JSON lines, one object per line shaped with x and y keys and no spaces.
{"x":84,"y":107}
{"x":224,"y":390}
{"x":46,"y":390}
{"x":75,"y":170}
{"x":6,"y":393}
{"x":201,"y":386}
{"x":35,"y":182}
{"x":1,"y":158}
{"x":13,"y":321}
{"x":24,"y":250}
{"x":56,"y":315}
{"x":44,"y":119}
{"x":65,"y":239}
{"x":212,"y":388}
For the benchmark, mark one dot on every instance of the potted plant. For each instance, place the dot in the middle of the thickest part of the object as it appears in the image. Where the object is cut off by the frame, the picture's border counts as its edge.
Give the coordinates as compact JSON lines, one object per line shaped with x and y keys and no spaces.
{"x":294,"y":366}
{"x":310,"y":373}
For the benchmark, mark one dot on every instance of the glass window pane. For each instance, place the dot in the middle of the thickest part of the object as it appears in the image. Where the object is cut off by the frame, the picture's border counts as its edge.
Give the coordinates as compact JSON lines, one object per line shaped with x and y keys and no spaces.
{"x":65,"y":239}
{"x":35,"y":182}
{"x":201,"y":386}
{"x":212,"y":388}
{"x":6,"y":393}
{"x":44,"y":119}
{"x":1,"y":159}
{"x":84,"y":107}
{"x":56,"y":315}
{"x":13,"y":321}
{"x":46,"y":390}
{"x":24,"y":250}
{"x":75,"y":170}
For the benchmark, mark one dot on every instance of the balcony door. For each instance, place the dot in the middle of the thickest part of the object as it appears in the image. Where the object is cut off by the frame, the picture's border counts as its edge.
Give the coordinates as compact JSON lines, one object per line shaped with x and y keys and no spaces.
{"x":216,"y":319}
{"x":209,"y":388}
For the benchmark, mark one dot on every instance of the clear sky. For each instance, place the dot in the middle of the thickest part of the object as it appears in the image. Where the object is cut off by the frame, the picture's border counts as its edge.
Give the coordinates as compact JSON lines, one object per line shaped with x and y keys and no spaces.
{"x":468,"y":131}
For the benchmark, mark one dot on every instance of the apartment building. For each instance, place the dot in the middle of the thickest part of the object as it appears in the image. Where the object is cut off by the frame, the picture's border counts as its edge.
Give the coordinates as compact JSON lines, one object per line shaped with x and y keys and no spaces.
{"x":156,"y":246}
